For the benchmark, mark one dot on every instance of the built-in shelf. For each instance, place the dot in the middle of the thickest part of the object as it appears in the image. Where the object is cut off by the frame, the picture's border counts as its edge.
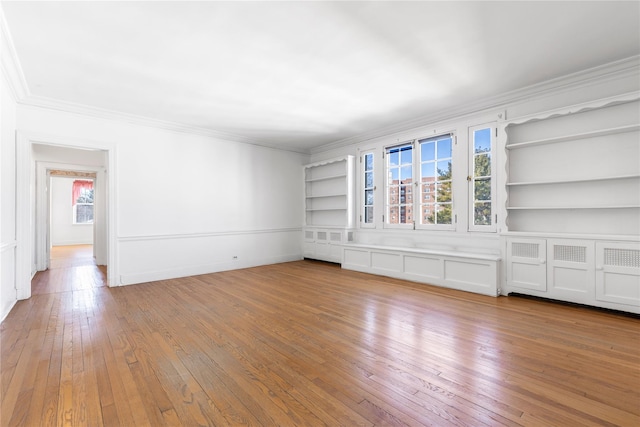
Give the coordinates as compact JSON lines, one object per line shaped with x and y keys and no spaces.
{"x":574,"y":181}
{"x":320,"y":196}
{"x":326,"y":178}
{"x":572,"y":205}
{"x":576,"y":136}
{"x":564,"y":175}
{"x":329,"y":207}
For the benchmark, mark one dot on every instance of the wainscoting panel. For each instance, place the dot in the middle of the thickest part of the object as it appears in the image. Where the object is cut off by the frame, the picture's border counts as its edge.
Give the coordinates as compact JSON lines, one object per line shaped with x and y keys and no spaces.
{"x":151,"y":258}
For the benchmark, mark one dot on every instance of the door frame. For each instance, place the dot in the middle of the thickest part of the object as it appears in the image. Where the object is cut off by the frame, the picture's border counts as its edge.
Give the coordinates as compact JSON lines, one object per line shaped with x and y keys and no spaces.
{"x":26,"y":205}
{"x":43,"y":211}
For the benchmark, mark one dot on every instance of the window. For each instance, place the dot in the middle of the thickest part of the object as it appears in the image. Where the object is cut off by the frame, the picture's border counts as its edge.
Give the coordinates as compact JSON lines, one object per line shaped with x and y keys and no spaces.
{"x":368,"y":189}
{"x":482,"y":190}
{"x":420,"y":183}
{"x":399,"y":185}
{"x":436,"y":198}
{"x":82,"y":196}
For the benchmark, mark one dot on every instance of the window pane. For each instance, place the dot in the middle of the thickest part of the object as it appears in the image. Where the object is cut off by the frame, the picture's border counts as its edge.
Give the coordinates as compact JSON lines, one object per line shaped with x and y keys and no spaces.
{"x":406,"y":156}
{"x":394,"y":157}
{"x":428,"y":151}
{"x":482,"y":189}
{"x":406,"y":173}
{"x":405,"y":216}
{"x":443,"y":214}
{"x":482,"y":165}
{"x":482,"y":140}
{"x":394,"y":215}
{"x":482,"y":213}
{"x":368,"y":195}
{"x":394,"y":175}
{"x":428,"y":170}
{"x":427,"y":193}
{"x":444,"y":169}
{"x":428,"y":214}
{"x":394,"y":194}
{"x":444,"y":148}
{"x":84,"y":214}
{"x":443,"y":192}
{"x":368,"y":162}
{"x":368,"y":178}
{"x":368,"y":214}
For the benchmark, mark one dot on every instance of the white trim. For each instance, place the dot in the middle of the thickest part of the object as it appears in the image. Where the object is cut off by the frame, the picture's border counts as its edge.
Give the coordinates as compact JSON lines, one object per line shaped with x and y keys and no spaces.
{"x":5,"y":246}
{"x":42,"y":209}
{"x":24,"y":237}
{"x":11,"y":68}
{"x":141,"y":238}
{"x":576,"y":108}
{"x":597,"y":237}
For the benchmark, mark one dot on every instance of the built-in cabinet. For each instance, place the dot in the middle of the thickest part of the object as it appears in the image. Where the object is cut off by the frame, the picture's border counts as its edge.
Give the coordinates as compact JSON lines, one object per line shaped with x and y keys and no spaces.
{"x":573,"y":205}
{"x":329,"y":208}
{"x":594,"y":272}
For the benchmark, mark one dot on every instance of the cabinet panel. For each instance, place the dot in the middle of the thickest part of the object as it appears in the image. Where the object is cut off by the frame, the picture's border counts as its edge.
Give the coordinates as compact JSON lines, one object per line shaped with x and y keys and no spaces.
{"x":386,"y":261}
{"x":618,"y":273}
{"x":570,"y":270}
{"x":422,"y":266}
{"x":526,"y":264}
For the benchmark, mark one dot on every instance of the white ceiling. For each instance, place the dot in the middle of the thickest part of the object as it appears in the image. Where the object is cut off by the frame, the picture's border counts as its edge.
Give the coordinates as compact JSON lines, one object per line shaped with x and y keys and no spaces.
{"x":301,"y":74}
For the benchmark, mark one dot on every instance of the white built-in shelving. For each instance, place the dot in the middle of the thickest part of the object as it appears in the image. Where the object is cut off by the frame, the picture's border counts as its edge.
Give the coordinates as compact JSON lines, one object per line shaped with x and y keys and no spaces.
{"x":573,"y":205}
{"x":576,"y":173}
{"x":329,"y":207}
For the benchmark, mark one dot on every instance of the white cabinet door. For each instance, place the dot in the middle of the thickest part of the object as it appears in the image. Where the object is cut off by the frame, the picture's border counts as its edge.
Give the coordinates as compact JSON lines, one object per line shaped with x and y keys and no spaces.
{"x":570,"y":270}
{"x":618,"y":272}
{"x":526,"y":264}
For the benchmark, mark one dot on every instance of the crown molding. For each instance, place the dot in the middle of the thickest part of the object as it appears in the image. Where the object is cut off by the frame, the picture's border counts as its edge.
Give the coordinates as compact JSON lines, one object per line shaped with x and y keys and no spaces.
{"x":611,"y":71}
{"x":103,"y":113}
{"x":11,"y":68}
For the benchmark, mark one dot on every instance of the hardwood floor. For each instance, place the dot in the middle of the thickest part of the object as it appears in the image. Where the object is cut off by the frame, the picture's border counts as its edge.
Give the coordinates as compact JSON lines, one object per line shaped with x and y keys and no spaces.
{"x":306,"y":343}
{"x":70,"y":268}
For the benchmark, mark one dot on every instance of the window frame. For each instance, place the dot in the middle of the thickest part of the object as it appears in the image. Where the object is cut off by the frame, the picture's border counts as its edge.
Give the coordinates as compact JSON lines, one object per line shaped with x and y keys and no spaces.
{"x":386,"y":149}
{"x":363,"y":189}
{"x":416,"y":176}
{"x":472,"y":226}
{"x":74,"y":218}
{"x":419,"y":143}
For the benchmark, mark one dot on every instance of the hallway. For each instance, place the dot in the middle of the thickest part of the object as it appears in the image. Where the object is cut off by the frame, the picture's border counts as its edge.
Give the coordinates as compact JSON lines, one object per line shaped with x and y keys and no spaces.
{"x":71,"y":268}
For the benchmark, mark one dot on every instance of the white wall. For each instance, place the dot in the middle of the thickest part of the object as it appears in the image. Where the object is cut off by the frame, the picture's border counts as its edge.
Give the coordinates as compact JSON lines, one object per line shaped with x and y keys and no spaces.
{"x":63,"y":230}
{"x":188,"y":204}
{"x":8,"y":201}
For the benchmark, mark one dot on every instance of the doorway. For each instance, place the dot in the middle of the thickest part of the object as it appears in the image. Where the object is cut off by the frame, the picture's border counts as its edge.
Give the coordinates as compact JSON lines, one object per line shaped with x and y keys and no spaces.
{"x":70,"y":232}
{"x":36,"y":155}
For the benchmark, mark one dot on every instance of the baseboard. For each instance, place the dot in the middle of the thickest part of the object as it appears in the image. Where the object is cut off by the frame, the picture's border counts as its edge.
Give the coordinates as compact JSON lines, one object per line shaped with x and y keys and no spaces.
{"x":7,"y":310}
{"x":71,"y":243}
{"x":153,"y":276}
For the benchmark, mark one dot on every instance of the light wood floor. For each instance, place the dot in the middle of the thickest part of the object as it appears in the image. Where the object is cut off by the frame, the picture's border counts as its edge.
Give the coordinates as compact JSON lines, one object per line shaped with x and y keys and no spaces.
{"x":306,"y":343}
